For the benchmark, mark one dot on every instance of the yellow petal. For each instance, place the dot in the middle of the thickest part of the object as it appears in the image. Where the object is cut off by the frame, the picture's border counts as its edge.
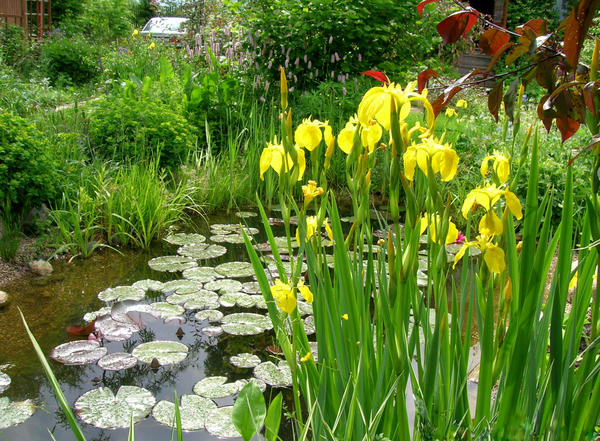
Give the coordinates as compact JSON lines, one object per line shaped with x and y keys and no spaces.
{"x":306,"y":293}
{"x":461,"y":253}
{"x":301,"y":163}
{"x":307,"y":357}
{"x":490,"y":224}
{"x":514,"y":204}
{"x":265,"y":162}
{"x":328,"y":230}
{"x":468,"y":203}
{"x":410,"y":163}
{"x":308,"y":136}
{"x":494,"y":259}
{"x":502,"y":168}
{"x":346,"y":139}
{"x":484,"y":166}
{"x":452,"y":233}
{"x":448,"y":164}
{"x":461,"y":104}
{"x":424,"y":223}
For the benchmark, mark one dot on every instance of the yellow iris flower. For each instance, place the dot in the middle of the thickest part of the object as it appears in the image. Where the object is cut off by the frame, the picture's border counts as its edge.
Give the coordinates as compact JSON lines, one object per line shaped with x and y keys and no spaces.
{"x":307,"y":357}
{"x":135,"y":33}
{"x":273,"y":156}
{"x":311,"y":191}
{"x":450,"y":112}
{"x":501,"y":166}
{"x":308,"y":133}
{"x":461,"y":104}
{"x":431,"y":151}
{"x":376,"y":104}
{"x":490,"y":224}
{"x":431,"y":221}
{"x":305,"y":292}
{"x":284,"y":296}
{"x":369,"y":135}
{"x":312,"y":227}
{"x":493,"y":255}
{"x":151,"y":46}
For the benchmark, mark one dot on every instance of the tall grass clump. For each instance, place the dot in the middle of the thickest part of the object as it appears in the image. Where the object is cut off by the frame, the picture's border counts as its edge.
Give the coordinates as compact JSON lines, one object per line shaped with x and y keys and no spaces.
{"x":386,"y":331}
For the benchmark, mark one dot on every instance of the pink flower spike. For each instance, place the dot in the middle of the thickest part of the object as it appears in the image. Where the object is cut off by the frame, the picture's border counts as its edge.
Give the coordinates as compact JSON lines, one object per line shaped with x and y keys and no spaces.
{"x":461,"y":238}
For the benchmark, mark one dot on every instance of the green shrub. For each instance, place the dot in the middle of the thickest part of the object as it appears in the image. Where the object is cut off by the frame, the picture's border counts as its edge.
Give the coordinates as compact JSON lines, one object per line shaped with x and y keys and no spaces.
{"x":129,"y":130}
{"x":69,"y":61}
{"x":13,"y":45}
{"x":27,"y":174}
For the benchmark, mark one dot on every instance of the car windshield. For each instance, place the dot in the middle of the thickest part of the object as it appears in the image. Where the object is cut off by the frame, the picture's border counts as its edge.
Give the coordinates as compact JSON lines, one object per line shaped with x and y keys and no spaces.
{"x":165,"y":24}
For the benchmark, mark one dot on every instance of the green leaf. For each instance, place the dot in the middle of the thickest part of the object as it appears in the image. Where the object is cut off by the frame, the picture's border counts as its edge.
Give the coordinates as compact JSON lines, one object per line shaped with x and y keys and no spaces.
{"x":273,"y":419}
{"x":249,"y":411}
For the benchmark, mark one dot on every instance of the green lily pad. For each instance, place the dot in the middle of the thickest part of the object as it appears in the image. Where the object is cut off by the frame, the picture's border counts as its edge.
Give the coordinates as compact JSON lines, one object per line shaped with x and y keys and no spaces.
{"x":91,"y":316}
{"x":212,"y":315}
{"x":245,"y":360}
{"x":217,"y":387}
{"x":14,"y":412}
{"x":243,"y":300}
{"x":233,"y":238}
{"x":224,"y":285}
{"x":185,"y":238}
{"x":245,"y":214}
{"x":304,"y":308}
{"x":232,"y":229}
{"x":148,"y":285}
{"x":202,"y":251}
{"x":118,"y":361}
{"x":4,"y":382}
{"x":274,"y":375}
{"x":102,"y":409}
{"x":78,"y":352}
{"x":166,"y":352}
{"x":202,"y":299}
{"x":179,"y":284}
{"x":171,"y":263}
{"x":121,"y":293}
{"x":281,"y":242}
{"x":192,"y":412}
{"x":202,"y":274}
{"x":347,"y":219}
{"x":220,"y":423}
{"x":114,"y":330}
{"x":251,"y":288}
{"x":132,"y":312}
{"x":235,"y":269}
{"x":453,"y":248}
{"x":166,"y":310}
{"x":246,"y":323}
{"x":212,"y":331}
{"x":287,"y":266}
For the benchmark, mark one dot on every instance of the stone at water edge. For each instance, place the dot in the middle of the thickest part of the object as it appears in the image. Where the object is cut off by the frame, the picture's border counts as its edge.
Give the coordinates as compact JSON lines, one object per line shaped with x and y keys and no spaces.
{"x":4,"y":299}
{"x":40,"y":267}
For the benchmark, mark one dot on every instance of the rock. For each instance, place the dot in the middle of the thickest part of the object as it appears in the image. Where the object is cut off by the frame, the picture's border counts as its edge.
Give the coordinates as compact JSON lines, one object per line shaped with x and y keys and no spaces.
{"x":4,"y":299}
{"x":40,"y":267}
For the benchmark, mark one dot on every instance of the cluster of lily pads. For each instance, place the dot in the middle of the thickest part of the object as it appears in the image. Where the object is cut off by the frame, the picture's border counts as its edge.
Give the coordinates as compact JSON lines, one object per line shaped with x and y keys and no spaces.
{"x":12,"y":412}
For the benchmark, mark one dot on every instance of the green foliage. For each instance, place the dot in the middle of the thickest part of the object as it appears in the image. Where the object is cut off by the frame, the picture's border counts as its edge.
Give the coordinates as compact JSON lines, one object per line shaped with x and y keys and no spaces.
{"x":13,"y":44}
{"x":27,"y":174}
{"x":326,"y":39}
{"x":128,"y":130}
{"x":10,"y":235}
{"x":68,"y":61}
{"x":521,"y":11}
{"x":101,"y":21}
{"x":143,"y":10}
{"x":66,"y":9}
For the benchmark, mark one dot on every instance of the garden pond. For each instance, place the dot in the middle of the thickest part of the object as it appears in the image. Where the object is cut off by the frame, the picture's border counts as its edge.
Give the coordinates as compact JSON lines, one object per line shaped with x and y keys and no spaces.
{"x":185,"y":316}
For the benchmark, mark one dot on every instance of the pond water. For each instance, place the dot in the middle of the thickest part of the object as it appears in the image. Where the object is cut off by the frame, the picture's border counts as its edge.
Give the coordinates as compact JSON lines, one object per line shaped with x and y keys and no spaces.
{"x":52,"y":303}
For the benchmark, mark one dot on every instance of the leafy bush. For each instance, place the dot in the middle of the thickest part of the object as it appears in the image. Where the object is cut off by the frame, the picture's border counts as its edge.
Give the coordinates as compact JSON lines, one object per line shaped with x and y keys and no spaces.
{"x":13,"y":45}
{"x":69,"y":60}
{"x":101,"y":21}
{"x":128,"y":130}
{"x":27,"y":174}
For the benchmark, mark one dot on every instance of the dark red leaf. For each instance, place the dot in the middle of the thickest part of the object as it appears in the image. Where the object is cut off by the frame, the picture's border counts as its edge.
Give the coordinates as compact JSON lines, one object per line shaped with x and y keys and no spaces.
{"x":442,"y":101}
{"x":545,"y":115}
{"x":497,"y":56}
{"x":492,"y":40}
{"x":495,"y":99}
{"x":379,"y":76}
{"x":457,"y":24}
{"x":588,"y":96}
{"x":424,"y":3}
{"x":577,"y":25}
{"x":567,"y":126}
{"x":423,"y":77}
{"x":538,"y":25}
{"x":81,"y":329}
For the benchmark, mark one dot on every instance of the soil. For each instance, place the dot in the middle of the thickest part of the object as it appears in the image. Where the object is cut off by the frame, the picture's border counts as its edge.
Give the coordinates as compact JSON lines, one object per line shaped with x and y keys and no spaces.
{"x":29,"y":250}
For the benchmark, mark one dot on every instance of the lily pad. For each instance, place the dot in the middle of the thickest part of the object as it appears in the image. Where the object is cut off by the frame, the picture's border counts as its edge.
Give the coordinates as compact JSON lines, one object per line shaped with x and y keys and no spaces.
{"x":167,"y":310}
{"x":121,"y":293}
{"x":304,"y":308}
{"x":217,"y":387}
{"x":176,"y":285}
{"x":251,"y":288}
{"x":91,"y":316}
{"x":192,"y":411}
{"x":132,"y":312}
{"x":235,"y":269}
{"x":185,"y":238}
{"x":202,"y":251}
{"x":4,"y":382}
{"x":78,"y":352}
{"x":309,"y":325}
{"x":245,"y":214}
{"x":224,"y":285}
{"x":220,"y":423}
{"x":202,"y":274}
{"x":245,"y":360}
{"x":102,"y":409}
{"x":166,"y":352}
{"x":212,"y":315}
{"x":171,"y":263}
{"x":202,"y":299}
{"x":114,"y":330}
{"x":148,"y":285}
{"x":274,"y":375}
{"x":232,"y":229}
{"x":14,"y":412}
{"x":212,"y":331}
{"x":243,"y":300}
{"x":246,"y":323}
{"x":228,"y":238}
{"x":118,"y":361}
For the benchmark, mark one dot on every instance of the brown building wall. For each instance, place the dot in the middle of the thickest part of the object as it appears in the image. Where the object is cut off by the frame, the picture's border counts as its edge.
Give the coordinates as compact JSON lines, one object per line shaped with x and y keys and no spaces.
{"x":13,"y":12}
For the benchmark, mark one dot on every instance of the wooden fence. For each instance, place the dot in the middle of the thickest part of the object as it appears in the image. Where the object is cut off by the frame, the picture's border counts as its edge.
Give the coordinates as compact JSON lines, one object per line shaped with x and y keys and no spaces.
{"x":35,"y":16}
